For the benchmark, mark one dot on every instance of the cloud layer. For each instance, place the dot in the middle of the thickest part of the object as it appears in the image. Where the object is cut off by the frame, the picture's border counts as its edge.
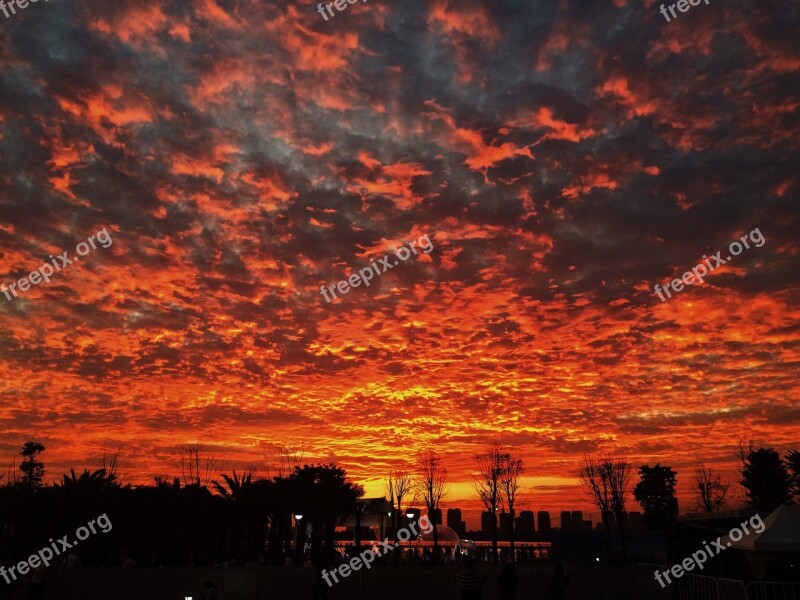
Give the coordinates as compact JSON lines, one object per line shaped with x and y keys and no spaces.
{"x":563,"y":157}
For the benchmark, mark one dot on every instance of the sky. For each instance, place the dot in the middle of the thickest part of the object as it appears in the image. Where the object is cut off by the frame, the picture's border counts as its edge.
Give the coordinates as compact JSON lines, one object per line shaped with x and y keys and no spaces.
{"x":562,"y":156}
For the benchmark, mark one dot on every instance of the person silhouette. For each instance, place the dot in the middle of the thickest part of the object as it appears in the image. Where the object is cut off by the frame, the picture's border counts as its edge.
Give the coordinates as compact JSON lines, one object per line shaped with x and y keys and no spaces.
{"x":469,"y":579}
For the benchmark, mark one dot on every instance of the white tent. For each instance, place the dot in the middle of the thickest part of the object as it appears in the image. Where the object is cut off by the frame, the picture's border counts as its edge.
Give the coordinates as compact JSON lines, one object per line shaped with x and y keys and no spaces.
{"x":781,"y":534}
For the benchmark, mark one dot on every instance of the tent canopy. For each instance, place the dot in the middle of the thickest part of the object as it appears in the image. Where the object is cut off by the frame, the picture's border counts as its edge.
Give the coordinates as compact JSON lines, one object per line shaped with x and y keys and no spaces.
{"x":781,"y":533}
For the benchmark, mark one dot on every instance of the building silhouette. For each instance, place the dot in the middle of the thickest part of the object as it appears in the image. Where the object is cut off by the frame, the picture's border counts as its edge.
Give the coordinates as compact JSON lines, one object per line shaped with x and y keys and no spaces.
{"x":487,"y":522}
{"x":526,"y":527}
{"x":455,"y":522}
{"x":543,"y":517}
{"x":574,"y":521}
{"x":635,"y":521}
{"x":435,"y":516}
{"x":505,"y":526}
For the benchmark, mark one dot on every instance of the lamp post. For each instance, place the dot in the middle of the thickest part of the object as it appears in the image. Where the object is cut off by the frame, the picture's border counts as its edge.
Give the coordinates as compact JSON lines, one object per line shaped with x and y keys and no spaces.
{"x":298,"y":549}
{"x":410,"y":516}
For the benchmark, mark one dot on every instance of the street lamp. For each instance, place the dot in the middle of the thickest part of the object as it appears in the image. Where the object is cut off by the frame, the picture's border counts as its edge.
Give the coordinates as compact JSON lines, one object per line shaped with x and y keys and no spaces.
{"x":410,"y":515}
{"x":297,"y":548}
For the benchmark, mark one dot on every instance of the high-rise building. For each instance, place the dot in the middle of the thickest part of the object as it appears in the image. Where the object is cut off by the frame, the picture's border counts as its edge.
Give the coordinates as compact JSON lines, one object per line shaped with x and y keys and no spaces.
{"x":525,"y":525}
{"x":505,"y":526}
{"x":576,"y":522}
{"x":624,"y":519}
{"x":455,"y":522}
{"x":487,"y":521}
{"x":435,"y":516}
{"x":566,"y":520}
{"x":635,"y":521}
{"x":543,"y":517}
{"x":606,"y":517}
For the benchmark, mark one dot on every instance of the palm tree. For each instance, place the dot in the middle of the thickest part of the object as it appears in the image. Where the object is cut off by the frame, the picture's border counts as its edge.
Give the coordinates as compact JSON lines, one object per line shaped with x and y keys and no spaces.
{"x":247,"y":518}
{"x":323,"y":493}
{"x":237,"y":488}
{"x":93,"y":481}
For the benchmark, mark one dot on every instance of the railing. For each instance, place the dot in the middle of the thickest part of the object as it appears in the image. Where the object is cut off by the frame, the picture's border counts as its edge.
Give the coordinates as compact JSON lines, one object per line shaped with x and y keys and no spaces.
{"x":773,"y":590}
{"x":731,"y":589}
{"x":701,"y":587}
{"x":697,"y":587}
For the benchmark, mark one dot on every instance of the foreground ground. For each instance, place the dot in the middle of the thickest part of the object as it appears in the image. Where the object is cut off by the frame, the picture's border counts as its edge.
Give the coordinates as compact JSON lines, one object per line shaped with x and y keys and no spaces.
{"x":404,"y":583}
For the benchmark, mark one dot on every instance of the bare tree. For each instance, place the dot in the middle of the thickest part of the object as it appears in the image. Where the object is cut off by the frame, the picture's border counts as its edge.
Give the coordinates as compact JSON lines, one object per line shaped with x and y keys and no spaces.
{"x":12,"y":474}
{"x":594,"y":480}
{"x":618,"y":472}
{"x":511,"y":470}
{"x":709,"y":491}
{"x":281,"y":460}
{"x":198,"y":469}
{"x":487,"y":484}
{"x":400,"y":486}
{"x":432,"y":480}
{"x":111,"y":467}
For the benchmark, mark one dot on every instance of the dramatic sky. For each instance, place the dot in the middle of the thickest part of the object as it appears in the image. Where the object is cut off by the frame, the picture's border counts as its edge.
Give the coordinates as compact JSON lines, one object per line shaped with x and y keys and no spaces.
{"x":563,"y":157}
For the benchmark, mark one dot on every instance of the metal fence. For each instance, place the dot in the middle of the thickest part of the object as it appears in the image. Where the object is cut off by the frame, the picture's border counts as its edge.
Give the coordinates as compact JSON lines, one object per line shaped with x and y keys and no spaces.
{"x":697,"y":587}
{"x":701,"y":587}
{"x":731,"y":589}
{"x":773,"y":590}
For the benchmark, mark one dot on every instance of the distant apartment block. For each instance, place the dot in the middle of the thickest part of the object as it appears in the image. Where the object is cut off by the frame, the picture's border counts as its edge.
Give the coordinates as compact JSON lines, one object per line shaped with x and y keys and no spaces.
{"x":488,"y":522}
{"x":435,"y":516}
{"x":525,"y":525}
{"x":573,"y":521}
{"x":631,"y":521}
{"x":455,"y":522}
{"x":635,"y":521}
{"x":505,"y":526}
{"x":543,"y":517}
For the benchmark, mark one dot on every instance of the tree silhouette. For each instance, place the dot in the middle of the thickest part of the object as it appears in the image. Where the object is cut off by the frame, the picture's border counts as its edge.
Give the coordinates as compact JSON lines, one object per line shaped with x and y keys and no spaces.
{"x":322,"y":493}
{"x":32,"y":469}
{"x":487,"y":482}
{"x":246,"y":509}
{"x":512,"y":470}
{"x":237,"y":488}
{"x":709,"y":491}
{"x":765,"y":479}
{"x":197,"y":469}
{"x":432,"y":478}
{"x":92,"y":481}
{"x":282,"y":460}
{"x":793,"y":465}
{"x":618,"y":472}
{"x":400,"y":485}
{"x":594,"y":477}
{"x":655,"y":492}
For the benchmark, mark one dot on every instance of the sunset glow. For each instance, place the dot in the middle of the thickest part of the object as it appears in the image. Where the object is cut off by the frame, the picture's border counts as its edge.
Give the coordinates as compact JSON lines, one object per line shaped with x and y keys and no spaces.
{"x":562,"y":161}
